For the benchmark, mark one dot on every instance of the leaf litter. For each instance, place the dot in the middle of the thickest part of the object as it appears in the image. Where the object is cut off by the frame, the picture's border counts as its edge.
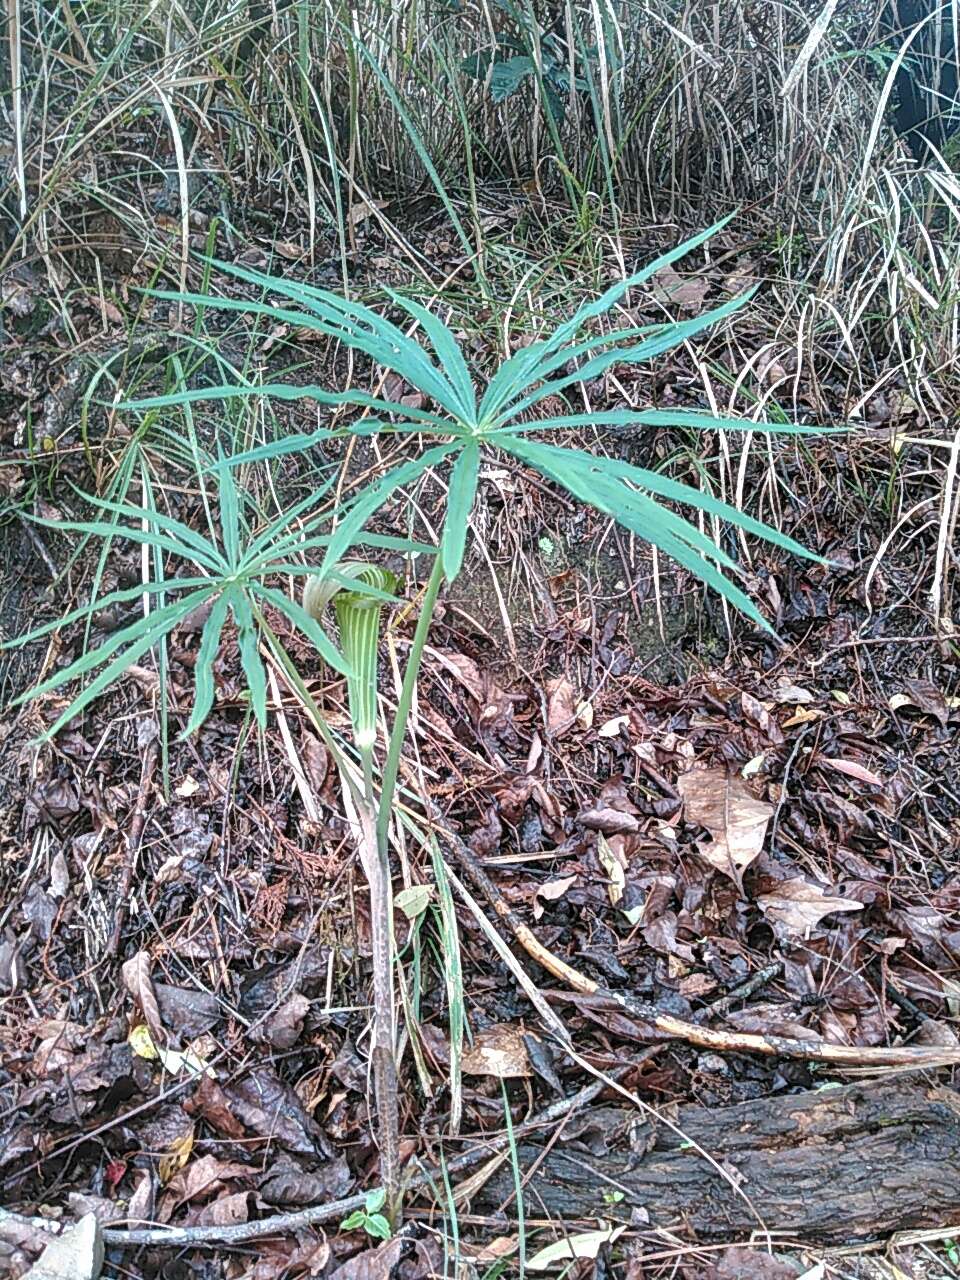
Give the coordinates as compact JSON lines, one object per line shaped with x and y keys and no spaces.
{"x":672,"y":834}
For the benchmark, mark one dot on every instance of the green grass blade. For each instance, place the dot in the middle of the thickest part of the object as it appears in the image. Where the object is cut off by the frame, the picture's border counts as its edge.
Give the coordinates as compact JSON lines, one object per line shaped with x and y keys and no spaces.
{"x":463,"y":491}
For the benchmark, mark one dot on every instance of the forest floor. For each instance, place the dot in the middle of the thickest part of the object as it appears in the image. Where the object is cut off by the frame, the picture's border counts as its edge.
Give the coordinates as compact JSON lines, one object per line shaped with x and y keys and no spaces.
{"x":676,"y":804}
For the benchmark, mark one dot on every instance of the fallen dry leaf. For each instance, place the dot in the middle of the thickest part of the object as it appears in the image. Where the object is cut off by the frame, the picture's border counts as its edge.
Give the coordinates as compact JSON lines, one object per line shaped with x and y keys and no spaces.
{"x":561,"y":705}
{"x":852,"y":770}
{"x":551,"y":891}
{"x":728,"y":809}
{"x":803,"y":715}
{"x":137,"y":980}
{"x":497,"y":1051}
{"x":798,"y":905}
{"x":204,"y":1177}
{"x":610,"y":728}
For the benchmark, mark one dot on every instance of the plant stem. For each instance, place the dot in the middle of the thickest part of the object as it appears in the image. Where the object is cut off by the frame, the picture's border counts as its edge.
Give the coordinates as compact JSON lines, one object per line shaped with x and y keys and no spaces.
{"x":383,"y":1057}
{"x":391,"y":766}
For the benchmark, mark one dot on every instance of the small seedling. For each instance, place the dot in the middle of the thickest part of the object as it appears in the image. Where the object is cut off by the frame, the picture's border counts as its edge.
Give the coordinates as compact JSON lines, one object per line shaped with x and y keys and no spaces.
{"x":369,"y":1217}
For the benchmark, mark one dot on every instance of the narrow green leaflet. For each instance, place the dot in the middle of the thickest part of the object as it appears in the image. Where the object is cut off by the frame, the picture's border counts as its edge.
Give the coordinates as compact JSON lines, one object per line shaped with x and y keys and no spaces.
{"x":671,"y":336}
{"x":300,"y":618}
{"x":122,"y":596}
{"x":448,"y":352}
{"x":674,"y":536}
{"x":289,"y":391}
{"x":399,"y":352}
{"x":204,"y":685}
{"x":518,"y":372}
{"x":681,"y":419}
{"x":248,"y":641}
{"x":374,"y":497}
{"x":653,"y":482}
{"x":139,"y":637}
{"x":463,"y":491}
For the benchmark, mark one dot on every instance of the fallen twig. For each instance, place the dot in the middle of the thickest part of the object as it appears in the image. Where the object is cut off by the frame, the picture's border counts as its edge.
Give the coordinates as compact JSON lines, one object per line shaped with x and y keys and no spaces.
{"x":691,"y":1032}
{"x":335,"y":1210}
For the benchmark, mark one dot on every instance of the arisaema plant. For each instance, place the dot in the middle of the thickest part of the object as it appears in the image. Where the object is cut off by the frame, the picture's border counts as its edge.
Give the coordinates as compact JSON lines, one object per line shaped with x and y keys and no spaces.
{"x":462,"y":422}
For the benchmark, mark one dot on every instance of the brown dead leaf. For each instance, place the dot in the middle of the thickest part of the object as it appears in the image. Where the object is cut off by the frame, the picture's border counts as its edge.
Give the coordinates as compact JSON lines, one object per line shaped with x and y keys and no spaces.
{"x":610,"y":821}
{"x":210,"y":1103}
{"x":461,"y":667}
{"x":735,"y":818}
{"x":497,"y":1051}
{"x":286,"y":1183}
{"x":685,"y":292}
{"x":271,"y":1108}
{"x":803,"y":715}
{"x":852,"y":769}
{"x":373,"y":1264}
{"x":204,"y":1177}
{"x":225,"y":1210}
{"x":925,"y":695}
{"x":137,"y":980}
{"x":551,"y":891}
{"x":798,"y":906}
{"x":561,"y":705}
{"x":740,"y":1263}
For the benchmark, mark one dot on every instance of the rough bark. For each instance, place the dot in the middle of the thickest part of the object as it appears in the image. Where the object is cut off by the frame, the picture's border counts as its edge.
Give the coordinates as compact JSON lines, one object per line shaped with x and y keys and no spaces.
{"x":840,"y":1165}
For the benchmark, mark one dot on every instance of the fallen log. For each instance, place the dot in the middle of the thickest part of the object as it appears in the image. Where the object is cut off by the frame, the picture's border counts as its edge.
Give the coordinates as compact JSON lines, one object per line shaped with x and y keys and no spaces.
{"x":837,"y":1165}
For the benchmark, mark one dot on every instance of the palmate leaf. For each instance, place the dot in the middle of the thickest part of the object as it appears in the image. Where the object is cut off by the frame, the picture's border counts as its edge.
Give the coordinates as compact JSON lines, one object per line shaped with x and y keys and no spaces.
{"x":525,"y":368}
{"x":437,"y":368}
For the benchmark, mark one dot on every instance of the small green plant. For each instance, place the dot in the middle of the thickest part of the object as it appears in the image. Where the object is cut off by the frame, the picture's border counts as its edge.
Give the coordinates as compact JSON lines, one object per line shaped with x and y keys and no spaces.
{"x":533,"y":54}
{"x":232,"y":567}
{"x":369,"y":1217}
